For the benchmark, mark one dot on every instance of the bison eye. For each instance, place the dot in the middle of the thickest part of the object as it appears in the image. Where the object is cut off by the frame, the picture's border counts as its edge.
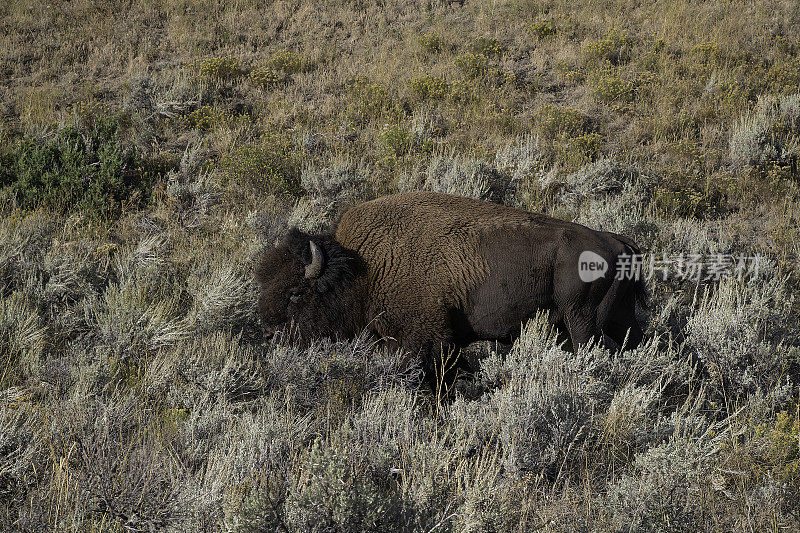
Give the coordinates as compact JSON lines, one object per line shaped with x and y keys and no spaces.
{"x":294,"y":295}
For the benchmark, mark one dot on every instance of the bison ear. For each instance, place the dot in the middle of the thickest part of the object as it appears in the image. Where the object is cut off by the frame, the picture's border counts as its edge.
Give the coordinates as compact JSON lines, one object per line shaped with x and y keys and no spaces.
{"x":341,"y":265}
{"x":297,"y":241}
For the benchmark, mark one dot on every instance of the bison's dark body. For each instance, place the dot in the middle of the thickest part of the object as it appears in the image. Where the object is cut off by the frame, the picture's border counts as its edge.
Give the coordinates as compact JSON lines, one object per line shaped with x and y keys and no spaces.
{"x":427,"y":269}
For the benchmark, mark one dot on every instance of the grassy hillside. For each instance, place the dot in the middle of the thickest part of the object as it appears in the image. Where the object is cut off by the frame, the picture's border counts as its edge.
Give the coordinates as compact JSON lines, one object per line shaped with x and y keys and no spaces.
{"x":150,"y":150}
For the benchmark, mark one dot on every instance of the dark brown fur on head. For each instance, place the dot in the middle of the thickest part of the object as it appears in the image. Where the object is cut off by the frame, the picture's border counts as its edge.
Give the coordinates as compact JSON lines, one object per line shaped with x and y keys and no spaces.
{"x":322,"y":306}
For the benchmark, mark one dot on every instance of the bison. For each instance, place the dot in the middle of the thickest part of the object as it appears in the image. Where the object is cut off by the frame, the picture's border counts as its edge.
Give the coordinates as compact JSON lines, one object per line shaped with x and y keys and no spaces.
{"x":426,"y":270}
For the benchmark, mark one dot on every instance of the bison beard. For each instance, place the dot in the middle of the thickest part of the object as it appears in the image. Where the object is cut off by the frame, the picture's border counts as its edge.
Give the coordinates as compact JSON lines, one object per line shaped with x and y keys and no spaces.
{"x":433,"y":272}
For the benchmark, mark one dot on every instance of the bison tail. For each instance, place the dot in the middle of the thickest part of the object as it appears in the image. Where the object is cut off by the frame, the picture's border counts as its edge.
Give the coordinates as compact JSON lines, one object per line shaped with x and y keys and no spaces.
{"x":616,"y":314}
{"x":638,"y":287}
{"x":640,"y":292}
{"x":637,"y":284}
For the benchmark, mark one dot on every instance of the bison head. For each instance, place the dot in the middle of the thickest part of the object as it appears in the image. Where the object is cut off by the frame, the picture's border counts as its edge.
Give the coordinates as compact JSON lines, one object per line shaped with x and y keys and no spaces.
{"x":308,"y":281}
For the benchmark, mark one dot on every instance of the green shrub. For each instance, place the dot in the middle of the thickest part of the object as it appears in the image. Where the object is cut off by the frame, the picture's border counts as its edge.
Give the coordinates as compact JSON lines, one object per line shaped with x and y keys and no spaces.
{"x":607,"y":86}
{"x":553,"y":121}
{"x":488,"y":47}
{"x":706,"y":52}
{"x":271,"y":165}
{"x":784,"y":77}
{"x":654,"y":57}
{"x":465,"y":91}
{"x":222,"y":69}
{"x":206,"y":117}
{"x":472,"y":65}
{"x":780,"y":449}
{"x":542,"y":29}
{"x":367,"y":100}
{"x":396,"y":140}
{"x":288,"y":62}
{"x":267,"y":77}
{"x":576,"y":151}
{"x":498,"y":77}
{"x":684,"y":199}
{"x":429,"y":87}
{"x":432,"y":43}
{"x":278,"y":69}
{"x":81,"y":167}
{"x":614,"y":48}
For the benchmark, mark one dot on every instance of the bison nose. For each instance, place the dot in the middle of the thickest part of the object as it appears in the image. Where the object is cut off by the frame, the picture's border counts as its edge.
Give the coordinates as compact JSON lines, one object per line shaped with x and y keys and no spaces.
{"x":269,"y":332}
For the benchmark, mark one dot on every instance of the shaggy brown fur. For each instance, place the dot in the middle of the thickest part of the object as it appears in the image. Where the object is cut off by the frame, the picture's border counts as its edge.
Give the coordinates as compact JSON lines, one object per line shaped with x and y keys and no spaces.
{"x":427,"y":269}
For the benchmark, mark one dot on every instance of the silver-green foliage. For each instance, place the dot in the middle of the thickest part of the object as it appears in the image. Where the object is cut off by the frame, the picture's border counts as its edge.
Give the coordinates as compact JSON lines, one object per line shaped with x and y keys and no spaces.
{"x":136,"y":394}
{"x":768,"y":133}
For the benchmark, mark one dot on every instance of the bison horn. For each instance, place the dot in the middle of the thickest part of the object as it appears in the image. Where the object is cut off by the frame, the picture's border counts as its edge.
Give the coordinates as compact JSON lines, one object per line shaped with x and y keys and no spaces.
{"x":315,"y":268}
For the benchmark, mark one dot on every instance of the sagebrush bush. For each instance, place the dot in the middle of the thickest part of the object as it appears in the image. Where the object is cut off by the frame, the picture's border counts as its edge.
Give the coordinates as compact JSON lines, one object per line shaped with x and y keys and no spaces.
{"x":520,"y":159}
{"x":140,"y":312}
{"x":463,"y":176}
{"x":125,"y":474}
{"x":335,"y":496}
{"x":140,"y":95}
{"x":739,"y":336}
{"x":769,"y":134}
{"x":662,"y":494}
{"x":22,"y":334}
{"x":191,"y":187}
{"x":330,"y":191}
{"x":18,"y":452}
{"x":544,"y":412}
{"x":604,"y":177}
{"x":333,"y":180}
{"x":314,"y":215}
{"x":223,"y":298}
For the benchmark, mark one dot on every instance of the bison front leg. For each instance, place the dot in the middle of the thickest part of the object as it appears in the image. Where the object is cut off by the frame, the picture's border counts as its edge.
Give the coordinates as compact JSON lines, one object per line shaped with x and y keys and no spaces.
{"x":619,"y":330}
{"x":443,"y":365}
{"x":430,"y":332}
{"x":442,"y":362}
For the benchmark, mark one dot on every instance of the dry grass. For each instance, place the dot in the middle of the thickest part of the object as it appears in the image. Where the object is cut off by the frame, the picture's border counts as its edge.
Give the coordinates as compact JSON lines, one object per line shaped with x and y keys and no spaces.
{"x":137,"y":395}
